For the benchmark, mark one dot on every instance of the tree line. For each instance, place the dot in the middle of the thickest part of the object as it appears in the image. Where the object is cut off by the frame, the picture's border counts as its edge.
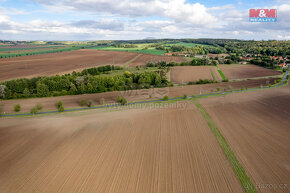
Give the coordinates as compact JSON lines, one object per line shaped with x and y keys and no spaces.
{"x":193,"y":62}
{"x":87,"y":81}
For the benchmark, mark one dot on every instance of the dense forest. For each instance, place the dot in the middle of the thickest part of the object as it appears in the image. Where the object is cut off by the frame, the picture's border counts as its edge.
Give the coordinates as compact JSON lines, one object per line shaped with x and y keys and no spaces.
{"x":240,"y":47}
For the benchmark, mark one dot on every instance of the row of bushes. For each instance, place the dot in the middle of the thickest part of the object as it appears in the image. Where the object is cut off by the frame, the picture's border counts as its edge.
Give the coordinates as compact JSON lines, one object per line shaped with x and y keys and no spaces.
{"x":77,"y":83}
{"x":202,"y":81}
{"x":193,"y":62}
{"x":60,"y":107}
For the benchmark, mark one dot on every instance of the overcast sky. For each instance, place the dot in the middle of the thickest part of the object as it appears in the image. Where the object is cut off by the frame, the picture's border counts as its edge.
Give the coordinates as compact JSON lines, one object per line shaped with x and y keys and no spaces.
{"x":139,"y":19}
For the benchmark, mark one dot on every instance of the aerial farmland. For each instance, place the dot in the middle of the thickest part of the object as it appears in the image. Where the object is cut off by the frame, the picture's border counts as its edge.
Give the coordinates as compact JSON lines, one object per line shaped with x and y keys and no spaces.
{"x":144,"y":97}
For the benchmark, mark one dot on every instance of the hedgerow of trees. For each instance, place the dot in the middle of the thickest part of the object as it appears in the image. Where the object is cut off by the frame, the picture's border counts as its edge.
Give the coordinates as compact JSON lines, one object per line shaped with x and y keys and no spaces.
{"x":83,"y":82}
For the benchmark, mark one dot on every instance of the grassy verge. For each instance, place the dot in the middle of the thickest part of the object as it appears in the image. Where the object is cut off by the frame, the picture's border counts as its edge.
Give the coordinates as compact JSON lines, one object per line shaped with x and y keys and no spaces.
{"x":213,"y":76}
{"x":221,"y":73}
{"x":245,"y":181}
{"x":130,"y":61}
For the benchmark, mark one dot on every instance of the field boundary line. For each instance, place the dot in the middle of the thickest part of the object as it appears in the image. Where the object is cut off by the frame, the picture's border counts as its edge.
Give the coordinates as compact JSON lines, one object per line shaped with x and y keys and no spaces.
{"x":132,"y":60}
{"x":238,"y":169}
{"x":212,"y":74}
{"x":221,"y":73}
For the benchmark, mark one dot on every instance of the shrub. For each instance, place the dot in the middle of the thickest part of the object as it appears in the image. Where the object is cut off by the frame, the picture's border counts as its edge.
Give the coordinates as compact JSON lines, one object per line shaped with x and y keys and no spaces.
{"x":165,"y":98}
{"x":102,"y":101}
{"x":59,"y":104}
{"x":90,"y":103}
{"x":38,"y":106}
{"x":127,"y":74}
{"x":83,"y":103}
{"x":185,"y":96}
{"x":218,"y":88}
{"x":61,"y":109}
{"x":63,"y":92}
{"x":17,"y":108}
{"x":230,"y":88}
{"x":119,"y":98}
{"x":33,"y":110}
{"x":123,"y":101}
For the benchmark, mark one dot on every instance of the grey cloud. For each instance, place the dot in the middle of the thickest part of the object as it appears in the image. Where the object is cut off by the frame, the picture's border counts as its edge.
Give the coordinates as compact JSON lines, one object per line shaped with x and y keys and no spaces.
{"x":103,"y":24}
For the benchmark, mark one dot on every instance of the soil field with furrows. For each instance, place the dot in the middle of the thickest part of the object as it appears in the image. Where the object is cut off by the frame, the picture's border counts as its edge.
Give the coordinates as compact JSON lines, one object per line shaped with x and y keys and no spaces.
{"x":146,"y":58}
{"x":60,"y":63}
{"x":184,"y":74}
{"x":114,"y":152}
{"x":25,"y":51}
{"x":256,"y":126}
{"x":49,"y":103}
{"x":246,"y":71}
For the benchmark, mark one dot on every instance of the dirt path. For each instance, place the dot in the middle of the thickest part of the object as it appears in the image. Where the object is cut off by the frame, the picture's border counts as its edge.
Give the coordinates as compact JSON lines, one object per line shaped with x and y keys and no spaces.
{"x":118,"y":152}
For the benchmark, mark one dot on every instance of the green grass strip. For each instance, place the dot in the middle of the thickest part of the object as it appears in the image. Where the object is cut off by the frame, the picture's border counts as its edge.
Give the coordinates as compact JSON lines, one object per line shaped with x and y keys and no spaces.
{"x":245,"y":181}
{"x":221,"y":73}
{"x":130,"y":61}
{"x":213,"y":76}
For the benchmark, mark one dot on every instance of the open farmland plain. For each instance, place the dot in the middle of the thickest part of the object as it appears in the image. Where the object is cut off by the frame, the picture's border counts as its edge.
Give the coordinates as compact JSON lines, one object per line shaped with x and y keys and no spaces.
{"x":118,"y":151}
{"x":184,"y":74}
{"x":256,"y":125}
{"x":246,"y":71}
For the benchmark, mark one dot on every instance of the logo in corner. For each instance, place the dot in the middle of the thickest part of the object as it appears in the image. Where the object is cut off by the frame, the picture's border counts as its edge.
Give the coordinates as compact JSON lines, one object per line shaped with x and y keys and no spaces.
{"x":263,"y":15}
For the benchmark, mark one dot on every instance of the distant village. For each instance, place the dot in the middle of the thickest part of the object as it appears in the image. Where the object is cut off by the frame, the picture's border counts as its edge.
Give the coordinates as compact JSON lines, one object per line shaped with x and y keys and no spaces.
{"x":246,"y":59}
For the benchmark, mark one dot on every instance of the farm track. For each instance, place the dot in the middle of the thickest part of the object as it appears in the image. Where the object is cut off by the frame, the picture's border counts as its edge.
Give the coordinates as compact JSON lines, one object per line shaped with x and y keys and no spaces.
{"x":114,"y":152}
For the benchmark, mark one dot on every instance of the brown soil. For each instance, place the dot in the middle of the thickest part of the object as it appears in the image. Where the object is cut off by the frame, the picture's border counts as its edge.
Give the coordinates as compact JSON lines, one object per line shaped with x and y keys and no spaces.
{"x":246,"y":71}
{"x":256,"y":125}
{"x":184,"y":74}
{"x":146,"y":58}
{"x":118,"y":151}
{"x":49,"y":103}
{"x":60,"y":63}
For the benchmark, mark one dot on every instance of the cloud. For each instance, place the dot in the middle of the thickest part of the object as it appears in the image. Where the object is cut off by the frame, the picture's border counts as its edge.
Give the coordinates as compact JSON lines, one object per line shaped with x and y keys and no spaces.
{"x":108,"y":24}
{"x":136,"y":19}
{"x":176,"y":10}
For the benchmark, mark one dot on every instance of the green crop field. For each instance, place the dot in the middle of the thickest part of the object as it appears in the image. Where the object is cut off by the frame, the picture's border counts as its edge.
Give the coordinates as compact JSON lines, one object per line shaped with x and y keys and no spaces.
{"x":140,"y":49}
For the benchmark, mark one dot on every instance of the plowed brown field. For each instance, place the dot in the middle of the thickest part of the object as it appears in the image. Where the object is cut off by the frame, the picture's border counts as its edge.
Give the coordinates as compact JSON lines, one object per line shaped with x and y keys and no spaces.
{"x":116,"y":152}
{"x":246,"y":71}
{"x":66,"y":62}
{"x":49,"y":103}
{"x":145,"y":58}
{"x":257,"y":127}
{"x":184,"y":74}
{"x":60,"y":63}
